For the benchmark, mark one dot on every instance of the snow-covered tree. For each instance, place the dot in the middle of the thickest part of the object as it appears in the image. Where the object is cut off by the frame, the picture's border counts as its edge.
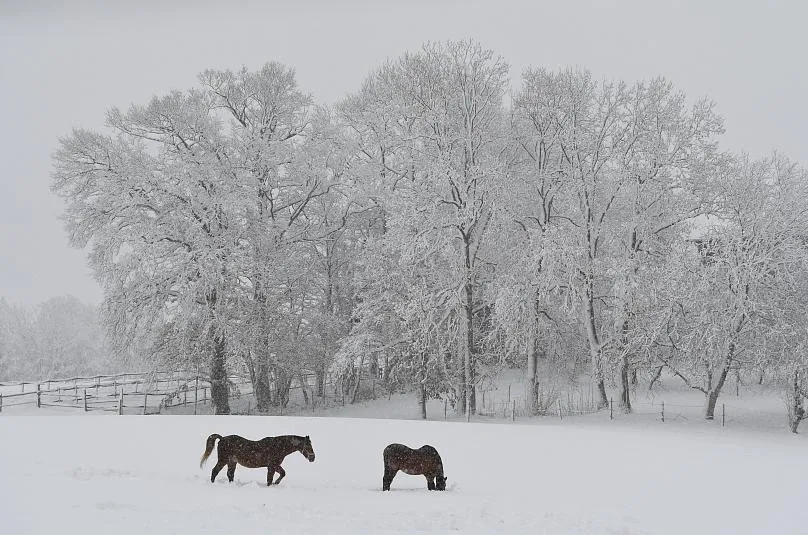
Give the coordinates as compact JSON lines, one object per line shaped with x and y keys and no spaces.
{"x":436,"y":147}
{"x":668,"y":162}
{"x":60,"y":337}
{"x":730,"y":303}
{"x":190,"y":204}
{"x":607,"y":172}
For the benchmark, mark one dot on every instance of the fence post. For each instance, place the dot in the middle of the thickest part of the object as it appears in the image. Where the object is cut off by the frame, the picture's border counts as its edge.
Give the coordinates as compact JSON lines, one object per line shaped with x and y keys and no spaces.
{"x":513,"y":411}
{"x":663,"y":412}
{"x":120,"y":403}
{"x":85,"y":400}
{"x":1,"y":402}
{"x":723,"y":412}
{"x":611,"y":408}
{"x":509,"y":394}
{"x":146,"y":402}
{"x":560,"y":416}
{"x":445,"y":405}
{"x":248,"y":407}
{"x":196,"y":393}
{"x":38,"y":396}
{"x":185,"y":396}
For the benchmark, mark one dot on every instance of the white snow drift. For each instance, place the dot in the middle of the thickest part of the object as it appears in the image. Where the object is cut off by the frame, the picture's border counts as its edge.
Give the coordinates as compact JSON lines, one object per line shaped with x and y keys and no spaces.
{"x":135,"y":475}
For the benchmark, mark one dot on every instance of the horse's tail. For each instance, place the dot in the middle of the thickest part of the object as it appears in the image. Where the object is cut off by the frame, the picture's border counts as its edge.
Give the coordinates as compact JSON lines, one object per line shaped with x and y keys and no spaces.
{"x":209,"y":448}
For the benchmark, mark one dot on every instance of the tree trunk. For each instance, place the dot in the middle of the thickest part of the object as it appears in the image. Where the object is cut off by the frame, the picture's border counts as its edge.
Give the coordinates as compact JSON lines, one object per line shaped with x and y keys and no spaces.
{"x":655,"y":378}
{"x":796,"y":414}
{"x":304,"y":389}
{"x":468,"y":353}
{"x":218,"y":377}
{"x":460,"y":404}
{"x":283,"y":384}
{"x":319,"y":375}
{"x":625,"y":385}
{"x":263,"y":391}
{"x":473,"y":388}
{"x":260,"y":368}
{"x":423,"y":401}
{"x":357,"y":380}
{"x":219,"y":391}
{"x":713,"y":393}
{"x":329,"y":308}
{"x":284,"y":389}
{"x":532,"y":372}
{"x":595,"y":351}
{"x":373,"y":369}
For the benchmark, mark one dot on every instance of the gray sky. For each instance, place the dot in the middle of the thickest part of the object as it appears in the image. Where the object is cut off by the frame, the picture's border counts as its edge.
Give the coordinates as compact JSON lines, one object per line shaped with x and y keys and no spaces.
{"x":63,"y":67}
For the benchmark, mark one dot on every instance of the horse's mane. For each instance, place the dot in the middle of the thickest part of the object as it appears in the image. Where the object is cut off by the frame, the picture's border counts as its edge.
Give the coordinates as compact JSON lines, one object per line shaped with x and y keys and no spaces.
{"x":296,"y":440}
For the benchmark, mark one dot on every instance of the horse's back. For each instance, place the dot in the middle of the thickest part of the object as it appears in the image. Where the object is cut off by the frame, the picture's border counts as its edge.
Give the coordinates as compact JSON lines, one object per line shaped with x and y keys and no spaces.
{"x":401,"y":449}
{"x":233,"y":440}
{"x":411,"y":461}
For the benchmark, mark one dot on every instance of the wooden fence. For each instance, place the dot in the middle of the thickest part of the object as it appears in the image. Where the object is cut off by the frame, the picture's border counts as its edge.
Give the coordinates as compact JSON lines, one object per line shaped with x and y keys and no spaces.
{"x":154,"y":392}
{"x":142,"y":393}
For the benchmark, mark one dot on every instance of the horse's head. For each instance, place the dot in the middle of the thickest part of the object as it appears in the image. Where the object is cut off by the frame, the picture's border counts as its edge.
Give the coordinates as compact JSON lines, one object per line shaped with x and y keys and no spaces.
{"x":307,"y":449}
{"x":440,"y":482}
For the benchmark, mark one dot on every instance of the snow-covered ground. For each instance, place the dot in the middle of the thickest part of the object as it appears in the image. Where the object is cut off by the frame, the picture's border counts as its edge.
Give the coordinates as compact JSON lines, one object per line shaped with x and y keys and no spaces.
{"x":136,"y":474}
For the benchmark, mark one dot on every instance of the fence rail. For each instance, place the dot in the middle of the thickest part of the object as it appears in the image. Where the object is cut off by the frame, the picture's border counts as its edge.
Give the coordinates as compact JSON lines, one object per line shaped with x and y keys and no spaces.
{"x":155,"y":392}
{"x":761,"y":411}
{"x":148,"y":392}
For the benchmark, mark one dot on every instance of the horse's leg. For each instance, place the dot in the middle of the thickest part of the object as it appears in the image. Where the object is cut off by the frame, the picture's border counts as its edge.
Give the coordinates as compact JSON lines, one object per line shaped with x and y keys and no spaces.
{"x":270,"y":475}
{"x":389,"y":474}
{"x":430,"y":482}
{"x":231,"y":471}
{"x":216,"y":470}
{"x":281,"y":472}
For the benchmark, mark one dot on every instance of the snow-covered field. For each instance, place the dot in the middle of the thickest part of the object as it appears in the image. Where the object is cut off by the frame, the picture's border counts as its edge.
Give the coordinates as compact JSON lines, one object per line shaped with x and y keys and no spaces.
{"x":135,"y":474}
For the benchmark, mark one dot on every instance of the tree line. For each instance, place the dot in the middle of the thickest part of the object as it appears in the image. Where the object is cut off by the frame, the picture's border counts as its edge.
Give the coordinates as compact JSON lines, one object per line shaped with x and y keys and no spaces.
{"x":436,"y":225}
{"x":60,"y":337}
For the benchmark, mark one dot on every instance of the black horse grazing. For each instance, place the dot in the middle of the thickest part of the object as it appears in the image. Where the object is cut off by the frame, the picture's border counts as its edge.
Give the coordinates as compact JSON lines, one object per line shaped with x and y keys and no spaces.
{"x":423,"y":461}
{"x":268,"y":452}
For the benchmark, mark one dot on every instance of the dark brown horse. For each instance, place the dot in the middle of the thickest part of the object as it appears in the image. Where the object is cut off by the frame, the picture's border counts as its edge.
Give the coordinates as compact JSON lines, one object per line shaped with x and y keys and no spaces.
{"x":268,"y":452}
{"x":423,"y":461}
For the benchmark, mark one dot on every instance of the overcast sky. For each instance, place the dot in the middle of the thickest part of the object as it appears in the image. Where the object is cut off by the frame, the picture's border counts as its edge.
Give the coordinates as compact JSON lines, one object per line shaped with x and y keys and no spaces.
{"x":63,"y":67}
